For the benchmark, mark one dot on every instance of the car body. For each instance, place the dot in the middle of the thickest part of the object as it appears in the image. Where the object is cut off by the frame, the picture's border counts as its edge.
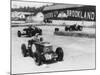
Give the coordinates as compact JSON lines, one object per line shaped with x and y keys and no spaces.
{"x":73,"y":28}
{"x":30,"y":31}
{"x":44,"y":53}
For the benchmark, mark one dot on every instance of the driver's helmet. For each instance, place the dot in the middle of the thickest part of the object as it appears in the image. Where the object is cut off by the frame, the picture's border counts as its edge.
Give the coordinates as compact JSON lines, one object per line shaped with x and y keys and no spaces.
{"x":76,"y":24}
{"x":37,"y":34}
{"x":30,"y":26}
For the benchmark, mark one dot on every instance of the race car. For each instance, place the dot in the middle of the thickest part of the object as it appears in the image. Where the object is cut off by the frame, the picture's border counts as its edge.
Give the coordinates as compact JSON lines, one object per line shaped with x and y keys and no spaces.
{"x":73,"y":28}
{"x":30,"y":31}
{"x":43,"y":53}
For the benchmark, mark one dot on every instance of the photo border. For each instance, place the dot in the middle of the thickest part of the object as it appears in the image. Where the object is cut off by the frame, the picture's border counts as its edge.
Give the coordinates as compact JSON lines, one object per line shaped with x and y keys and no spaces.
{"x":47,"y":71}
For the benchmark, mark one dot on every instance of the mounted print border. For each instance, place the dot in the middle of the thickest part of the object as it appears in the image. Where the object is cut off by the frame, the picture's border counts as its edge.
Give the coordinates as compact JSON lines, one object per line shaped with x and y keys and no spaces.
{"x":52,"y":37}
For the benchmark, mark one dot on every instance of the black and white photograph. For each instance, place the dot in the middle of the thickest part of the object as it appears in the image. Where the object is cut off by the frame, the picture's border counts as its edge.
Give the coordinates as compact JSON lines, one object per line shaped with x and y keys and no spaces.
{"x":52,"y":37}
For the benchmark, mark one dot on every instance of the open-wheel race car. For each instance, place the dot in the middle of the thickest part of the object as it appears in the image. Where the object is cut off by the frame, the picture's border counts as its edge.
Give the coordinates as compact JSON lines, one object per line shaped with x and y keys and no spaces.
{"x":30,"y":31}
{"x":73,"y":28}
{"x":43,"y":53}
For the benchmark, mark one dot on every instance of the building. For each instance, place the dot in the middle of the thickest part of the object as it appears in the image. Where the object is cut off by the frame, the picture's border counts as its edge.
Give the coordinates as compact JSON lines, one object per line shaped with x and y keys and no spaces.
{"x":19,"y":16}
{"x":38,"y":17}
{"x":70,"y":14}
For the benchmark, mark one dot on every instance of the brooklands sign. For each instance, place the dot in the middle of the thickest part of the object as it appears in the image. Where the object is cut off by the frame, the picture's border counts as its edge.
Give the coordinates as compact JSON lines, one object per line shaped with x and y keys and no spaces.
{"x":72,"y":14}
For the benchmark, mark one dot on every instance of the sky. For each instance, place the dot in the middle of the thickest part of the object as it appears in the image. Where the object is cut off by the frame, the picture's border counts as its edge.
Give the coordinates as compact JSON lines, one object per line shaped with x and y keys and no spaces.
{"x":17,"y":4}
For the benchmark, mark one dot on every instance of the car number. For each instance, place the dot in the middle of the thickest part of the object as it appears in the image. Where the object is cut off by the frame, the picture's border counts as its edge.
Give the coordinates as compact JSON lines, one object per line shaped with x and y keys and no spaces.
{"x":48,"y":56}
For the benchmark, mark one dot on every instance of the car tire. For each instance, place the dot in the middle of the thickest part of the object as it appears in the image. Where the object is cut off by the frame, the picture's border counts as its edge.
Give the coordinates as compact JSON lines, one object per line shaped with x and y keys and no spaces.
{"x":56,"y":29}
{"x":24,"y":50}
{"x":33,"y":48}
{"x":66,"y":28}
{"x":59,"y":52}
{"x":40,"y":32}
{"x":37,"y":59}
{"x":19,"y":34}
{"x":41,"y":39}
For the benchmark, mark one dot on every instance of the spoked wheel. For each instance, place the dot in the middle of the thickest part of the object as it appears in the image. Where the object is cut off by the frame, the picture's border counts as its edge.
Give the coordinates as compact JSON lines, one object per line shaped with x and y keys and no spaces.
{"x":24,"y":50}
{"x":67,"y":28}
{"x":56,"y":29}
{"x":38,"y":59}
{"x":60,"y":54}
{"x":19,"y":34}
{"x":40,"y":32}
{"x":41,"y":39}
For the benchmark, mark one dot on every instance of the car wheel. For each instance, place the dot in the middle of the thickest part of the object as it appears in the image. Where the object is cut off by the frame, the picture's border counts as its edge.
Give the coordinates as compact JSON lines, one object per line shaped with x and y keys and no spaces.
{"x":65,"y":28}
{"x":24,"y":51}
{"x":56,"y":29}
{"x":60,"y":54}
{"x":38,"y":59}
{"x":41,"y":39}
{"x":40,"y":32}
{"x":19,"y":34}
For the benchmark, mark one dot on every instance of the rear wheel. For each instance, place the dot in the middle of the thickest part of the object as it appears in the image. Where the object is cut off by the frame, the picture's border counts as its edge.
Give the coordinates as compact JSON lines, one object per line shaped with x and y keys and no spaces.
{"x":56,"y":29}
{"x":24,"y":50}
{"x":40,"y":33}
{"x":60,"y":54}
{"x":41,"y":39}
{"x":66,"y":28}
{"x":19,"y":34}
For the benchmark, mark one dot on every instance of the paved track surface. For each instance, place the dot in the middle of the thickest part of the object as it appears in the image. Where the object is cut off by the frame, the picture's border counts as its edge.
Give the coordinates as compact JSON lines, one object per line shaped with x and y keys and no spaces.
{"x":79,"y":53}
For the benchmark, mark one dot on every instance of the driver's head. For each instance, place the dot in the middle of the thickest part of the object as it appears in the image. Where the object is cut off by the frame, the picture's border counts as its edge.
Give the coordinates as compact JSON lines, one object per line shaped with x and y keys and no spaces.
{"x":76,"y":24}
{"x":30,"y":26}
{"x":37,"y":34}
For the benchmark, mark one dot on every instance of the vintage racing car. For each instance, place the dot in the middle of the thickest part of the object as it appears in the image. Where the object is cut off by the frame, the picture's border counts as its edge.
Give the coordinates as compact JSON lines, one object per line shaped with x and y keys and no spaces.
{"x":30,"y":31}
{"x":73,"y":28}
{"x":44,"y":53}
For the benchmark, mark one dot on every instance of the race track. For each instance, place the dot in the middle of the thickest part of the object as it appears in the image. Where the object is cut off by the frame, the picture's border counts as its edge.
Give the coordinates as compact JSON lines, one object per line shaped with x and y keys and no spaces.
{"x":79,"y":53}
